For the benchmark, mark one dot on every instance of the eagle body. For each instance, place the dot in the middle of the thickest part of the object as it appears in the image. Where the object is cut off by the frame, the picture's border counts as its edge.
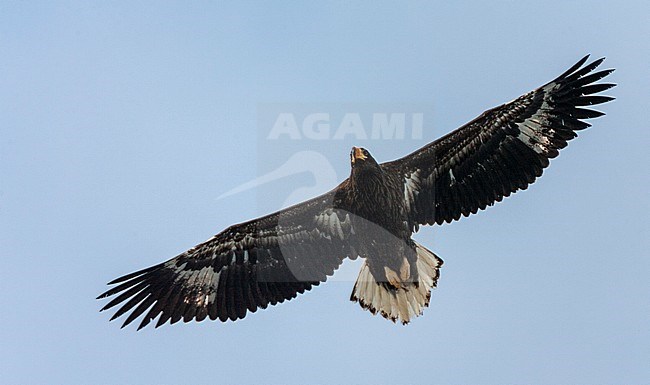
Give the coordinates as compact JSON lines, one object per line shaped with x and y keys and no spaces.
{"x":374,"y":195}
{"x":372,"y":214}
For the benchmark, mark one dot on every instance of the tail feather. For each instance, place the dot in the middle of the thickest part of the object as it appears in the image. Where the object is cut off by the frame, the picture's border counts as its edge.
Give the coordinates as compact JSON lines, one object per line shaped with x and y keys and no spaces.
{"x":401,"y":303}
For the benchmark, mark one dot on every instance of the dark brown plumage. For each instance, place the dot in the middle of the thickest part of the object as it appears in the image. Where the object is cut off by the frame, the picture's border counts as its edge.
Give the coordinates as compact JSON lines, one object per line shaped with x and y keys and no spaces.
{"x":371,"y":214}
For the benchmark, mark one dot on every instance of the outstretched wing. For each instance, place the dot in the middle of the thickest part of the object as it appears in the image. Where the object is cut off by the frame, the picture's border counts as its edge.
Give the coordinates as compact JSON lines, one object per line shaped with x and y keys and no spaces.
{"x":243,"y":268}
{"x":500,"y":152}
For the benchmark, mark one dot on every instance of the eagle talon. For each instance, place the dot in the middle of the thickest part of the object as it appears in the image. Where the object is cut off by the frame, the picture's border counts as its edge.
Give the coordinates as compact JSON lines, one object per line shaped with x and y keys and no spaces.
{"x":392,"y":277}
{"x":405,"y":270}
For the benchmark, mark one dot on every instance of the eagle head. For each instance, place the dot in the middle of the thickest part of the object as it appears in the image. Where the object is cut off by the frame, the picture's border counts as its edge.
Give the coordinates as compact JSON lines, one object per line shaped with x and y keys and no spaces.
{"x":358,"y":155}
{"x":360,"y":158}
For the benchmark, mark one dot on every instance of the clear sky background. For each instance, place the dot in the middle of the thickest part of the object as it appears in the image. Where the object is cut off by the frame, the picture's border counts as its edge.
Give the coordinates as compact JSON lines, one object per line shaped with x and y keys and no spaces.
{"x":121,"y":124}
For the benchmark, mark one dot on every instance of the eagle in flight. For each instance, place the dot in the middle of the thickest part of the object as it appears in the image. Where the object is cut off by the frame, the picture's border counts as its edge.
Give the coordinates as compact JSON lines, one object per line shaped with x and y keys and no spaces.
{"x":372,"y":214}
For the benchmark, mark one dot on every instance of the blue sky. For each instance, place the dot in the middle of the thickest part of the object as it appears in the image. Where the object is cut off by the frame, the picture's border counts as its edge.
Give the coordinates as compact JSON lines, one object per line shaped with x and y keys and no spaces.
{"x":121,"y":124}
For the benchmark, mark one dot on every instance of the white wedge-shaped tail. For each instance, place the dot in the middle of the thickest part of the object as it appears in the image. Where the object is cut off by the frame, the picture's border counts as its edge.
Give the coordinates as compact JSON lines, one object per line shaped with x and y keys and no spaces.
{"x":403,"y":303}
